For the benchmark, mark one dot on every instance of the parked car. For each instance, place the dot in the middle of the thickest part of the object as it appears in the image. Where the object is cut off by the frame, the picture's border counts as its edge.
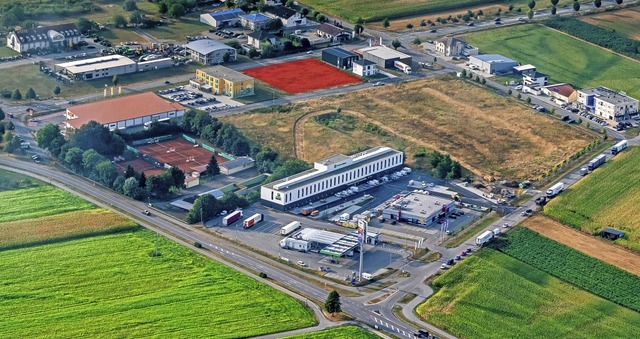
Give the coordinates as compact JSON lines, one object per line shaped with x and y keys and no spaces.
{"x":457,"y":257}
{"x":450,"y":262}
{"x":302,"y":264}
{"x":444,"y":266}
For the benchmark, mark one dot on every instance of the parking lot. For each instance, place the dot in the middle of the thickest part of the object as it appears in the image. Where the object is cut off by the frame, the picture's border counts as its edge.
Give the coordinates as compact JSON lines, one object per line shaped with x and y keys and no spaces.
{"x":198,"y":100}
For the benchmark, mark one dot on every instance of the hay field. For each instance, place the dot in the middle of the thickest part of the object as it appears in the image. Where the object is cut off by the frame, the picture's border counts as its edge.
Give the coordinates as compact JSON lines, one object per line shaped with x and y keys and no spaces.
{"x":488,"y":134}
{"x":625,"y":21}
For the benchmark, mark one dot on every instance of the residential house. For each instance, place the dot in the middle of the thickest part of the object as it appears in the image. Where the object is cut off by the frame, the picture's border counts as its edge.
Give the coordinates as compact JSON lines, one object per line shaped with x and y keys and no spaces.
{"x":364,"y":68}
{"x":607,"y":103}
{"x":255,"y":21}
{"x":450,"y":46}
{"x":289,"y":17}
{"x":46,"y":37}
{"x":257,"y":39}
{"x":209,"y":52}
{"x":524,"y":69}
{"x":563,"y":93}
{"x":333,"y":33}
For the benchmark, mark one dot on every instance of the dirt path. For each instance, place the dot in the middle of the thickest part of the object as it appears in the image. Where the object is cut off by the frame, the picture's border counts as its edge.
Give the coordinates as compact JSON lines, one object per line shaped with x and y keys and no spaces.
{"x":589,"y":245}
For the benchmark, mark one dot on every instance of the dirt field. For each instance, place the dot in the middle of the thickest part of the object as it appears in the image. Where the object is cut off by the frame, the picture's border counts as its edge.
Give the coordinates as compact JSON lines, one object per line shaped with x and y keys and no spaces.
{"x":625,"y":21}
{"x":590,"y":245}
{"x":488,"y":134}
{"x":302,"y":76}
{"x":181,"y":153}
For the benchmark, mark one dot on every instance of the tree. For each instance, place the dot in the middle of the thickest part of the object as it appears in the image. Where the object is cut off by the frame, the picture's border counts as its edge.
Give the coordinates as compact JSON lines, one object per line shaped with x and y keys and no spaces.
{"x":553,"y":10}
{"x":619,"y":2}
{"x":2,"y":116}
{"x":93,"y":135}
{"x":159,"y":184}
{"x":106,"y":172}
{"x":530,"y":14}
{"x":528,"y":100}
{"x":456,"y":171}
{"x":176,"y":11}
{"x":305,"y":43}
{"x":226,"y":57}
{"x":73,"y":158}
{"x":136,"y":18}
{"x":409,"y":25}
{"x":332,"y":304}
{"x":84,"y":25}
{"x":267,"y":51}
{"x":56,"y":91}
{"x":480,"y":13}
{"x":212,"y":166}
{"x":463,"y":73}
{"x":253,"y":53}
{"x":229,"y":3}
{"x":576,"y":6}
{"x":162,"y":7}
{"x":115,"y":80}
{"x":129,"y":172}
{"x":385,"y":23}
{"x":130,"y":5}
{"x":304,"y":11}
{"x":177,"y":176}
{"x":119,"y":21}
{"x":417,"y":41}
{"x":16,"y":95}
{"x":31,"y":94}
{"x":396,"y":43}
{"x":531,"y":4}
{"x":6,"y":137}
{"x":554,"y":2}
{"x":142,"y":180}
{"x":9,"y":126}
{"x":519,"y":96}
{"x":289,"y":3}
{"x":274,"y":24}
{"x":423,"y":23}
{"x":131,"y":187}
{"x":204,"y":208}
{"x":358,"y":28}
{"x":597,"y":3}
{"x":90,"y":160}
{"x":509,"y":91}
{"x":12,"y":145}
{"x":321,"y":17}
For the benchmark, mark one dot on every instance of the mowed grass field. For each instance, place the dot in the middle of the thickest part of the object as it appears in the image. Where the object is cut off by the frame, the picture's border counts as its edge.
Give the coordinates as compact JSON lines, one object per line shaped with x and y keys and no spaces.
{"x":487,"y":133}
{"x":607,"y":197}
{"x":341,"y":332}
{"x":563,"y":58}
{"x":109,"y":286}
{"x":491,"y":295}
{"x":623,"y":21}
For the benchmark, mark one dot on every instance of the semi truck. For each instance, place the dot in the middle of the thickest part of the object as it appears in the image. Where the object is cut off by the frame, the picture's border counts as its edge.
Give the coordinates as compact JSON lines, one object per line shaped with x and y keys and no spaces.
{"x":555,"y":189}
{"x":290,"y":227}
{"x":597,"y":161}
{"x":231,"y":218}
{"x":484,"y":238}
{"x":619,"y":147}
{"x":252,"y":220}
{"x":406,"y":69}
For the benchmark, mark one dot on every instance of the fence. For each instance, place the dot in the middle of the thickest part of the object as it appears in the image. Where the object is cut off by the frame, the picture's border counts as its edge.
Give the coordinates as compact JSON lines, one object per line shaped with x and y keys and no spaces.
{"x":188,"y":138}
{"x":133,"y":149}
{"x":227,"y":156}
{"x":152,"y":140}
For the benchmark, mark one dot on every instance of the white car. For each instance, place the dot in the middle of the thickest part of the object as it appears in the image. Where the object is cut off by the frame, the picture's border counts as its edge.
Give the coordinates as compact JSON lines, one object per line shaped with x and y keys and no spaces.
{"x":302,"y":264}
{"x":378,"y":84}
{"x":444,"y":266}
{"x":519,"y":87}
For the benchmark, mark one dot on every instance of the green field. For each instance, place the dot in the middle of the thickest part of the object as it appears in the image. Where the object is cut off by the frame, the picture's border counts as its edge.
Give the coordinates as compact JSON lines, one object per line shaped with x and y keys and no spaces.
{"x":563,"y":58}
{"x":491,"y":295}
{"x":7,"y":52}
{"x":623,"y":21}
{"x":13,"y":181}
{"x":572,"y":266}
{"x":109,"y":286}
{"x":38,"y":202}
{"x":342,"y":332}
{"x":608,"y":197}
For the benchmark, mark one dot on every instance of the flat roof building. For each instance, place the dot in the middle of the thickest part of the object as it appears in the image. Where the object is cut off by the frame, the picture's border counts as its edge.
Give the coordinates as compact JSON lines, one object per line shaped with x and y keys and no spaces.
{"x":124,"y":112}
{"x":225,"y":81}
{"x":338,"y":57}
{"x":237,"y":165}
{"x":330,"y":175}
{"x":418,"y":207}
{"x":254,"y":22}
{"x":221,"y":19}
{"x":95,"y":68}
{"x":493,"y":63}
{"x":384,"y":56}
{"x":608,"y":103}
{"x":209,"y":52}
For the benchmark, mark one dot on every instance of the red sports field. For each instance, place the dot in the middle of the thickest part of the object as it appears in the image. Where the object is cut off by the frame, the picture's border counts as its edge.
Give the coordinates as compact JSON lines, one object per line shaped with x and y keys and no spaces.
{"x":302,"y":76}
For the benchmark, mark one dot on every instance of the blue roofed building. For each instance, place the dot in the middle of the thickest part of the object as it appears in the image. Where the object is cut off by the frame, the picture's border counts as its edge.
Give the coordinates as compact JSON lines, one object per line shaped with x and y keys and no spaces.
{"x":254,"y":21}
{"x":221,"y":19}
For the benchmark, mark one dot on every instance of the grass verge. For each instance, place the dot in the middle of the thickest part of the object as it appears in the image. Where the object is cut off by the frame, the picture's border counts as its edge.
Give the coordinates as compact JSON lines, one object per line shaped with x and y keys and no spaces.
{"x":340,"y":332}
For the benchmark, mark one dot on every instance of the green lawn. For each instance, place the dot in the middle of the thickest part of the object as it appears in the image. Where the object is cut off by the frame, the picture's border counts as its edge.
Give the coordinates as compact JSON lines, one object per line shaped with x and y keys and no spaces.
{"x":341,"y":332}
{"x":7,"y":52}
{"x":491,"y":295}
{"x":38,"y":202}
{"x":563,"y":58}
{"x":13,"y":181}
{"x":607,"y":197}
{"x":109,"y":286}
{"x":179,"y":29}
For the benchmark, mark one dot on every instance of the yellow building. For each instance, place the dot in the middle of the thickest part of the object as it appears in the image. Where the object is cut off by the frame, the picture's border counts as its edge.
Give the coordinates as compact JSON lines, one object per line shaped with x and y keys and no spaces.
{"x":224,"y":81}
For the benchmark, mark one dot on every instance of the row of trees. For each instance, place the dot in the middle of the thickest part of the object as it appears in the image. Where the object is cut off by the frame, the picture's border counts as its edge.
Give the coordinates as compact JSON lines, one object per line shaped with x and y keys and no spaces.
{"x":441,"y":164}
{"x":10,"y":142}
{"x":17,"y":95}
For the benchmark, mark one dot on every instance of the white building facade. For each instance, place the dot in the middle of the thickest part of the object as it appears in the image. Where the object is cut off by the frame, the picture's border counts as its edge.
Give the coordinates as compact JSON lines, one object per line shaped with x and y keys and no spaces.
{"x":330,"y":175}
{"x":608,"y":103}
{"x":364,"y":68}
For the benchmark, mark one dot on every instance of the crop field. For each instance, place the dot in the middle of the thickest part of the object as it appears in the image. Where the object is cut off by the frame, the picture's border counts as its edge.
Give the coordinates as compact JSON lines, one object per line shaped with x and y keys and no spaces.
{"x":109,"y":286}
{"x":519,"y":301}
{"x":608,"y":197}
{"x":623,"y":21}
{"x":302,"y":75}
{"x":61,"y":226}
{"x":506,"y":140}
{"x":341,"y":332}
{"x":563,"y":58}
{"x":593,"y":246}
{"x":38,"y":202}
{"x":574,"y":267}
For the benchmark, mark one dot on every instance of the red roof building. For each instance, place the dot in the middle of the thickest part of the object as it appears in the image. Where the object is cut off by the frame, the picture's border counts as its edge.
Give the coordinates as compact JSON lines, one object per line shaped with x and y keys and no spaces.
{"x":124,"y":112}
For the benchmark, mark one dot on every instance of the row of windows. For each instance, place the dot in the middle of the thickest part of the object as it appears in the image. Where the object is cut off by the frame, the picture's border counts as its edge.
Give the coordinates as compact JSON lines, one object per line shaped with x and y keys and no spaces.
{"x":344,"y":178}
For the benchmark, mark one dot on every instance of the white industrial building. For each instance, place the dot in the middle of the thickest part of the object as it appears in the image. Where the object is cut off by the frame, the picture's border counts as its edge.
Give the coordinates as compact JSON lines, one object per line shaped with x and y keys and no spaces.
{"x":326,"y":242}
{"x":384,"y":56}
{"x":330,"y":175}
{"x":209,"y":52}
{"x":108,"y":66}
{"x":221,"y":19}
{"x":493,"y":63}
{"x":418,"y":207}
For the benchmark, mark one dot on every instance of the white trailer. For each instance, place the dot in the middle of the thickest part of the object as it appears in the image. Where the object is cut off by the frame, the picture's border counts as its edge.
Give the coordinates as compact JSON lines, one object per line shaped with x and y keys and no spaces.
{"x":252,"y":220}
{"x":345,"y":217}
{"x":231,"y":218}
{"x":402,"y":66}
{"x":619,"y":147}
{"x":292,"y":226}
{"x":484,"y":238}
{"x":555,"y":190}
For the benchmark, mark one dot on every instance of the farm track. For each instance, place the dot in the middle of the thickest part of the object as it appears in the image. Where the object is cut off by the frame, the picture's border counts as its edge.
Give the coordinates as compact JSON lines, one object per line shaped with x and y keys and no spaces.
{"x":589,"y":245}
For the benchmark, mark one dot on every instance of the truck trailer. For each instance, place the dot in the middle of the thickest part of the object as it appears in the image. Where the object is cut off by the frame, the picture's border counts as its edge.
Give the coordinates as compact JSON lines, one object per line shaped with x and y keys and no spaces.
{"x":597,"y":161}
{"x":484,"y":238}
{"x":555,"y":189}
{"x":406,"y":69}
{"x":292,"y":226}
{"x":252,"y":220}
{"x":231,"y":218}
{"x":619,"y":147}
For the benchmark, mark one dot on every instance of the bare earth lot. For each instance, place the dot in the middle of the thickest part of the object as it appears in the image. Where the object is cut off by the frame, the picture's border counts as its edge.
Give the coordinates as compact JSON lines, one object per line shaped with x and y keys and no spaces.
{"x":488,"y":134}
{"x":587,"y":244}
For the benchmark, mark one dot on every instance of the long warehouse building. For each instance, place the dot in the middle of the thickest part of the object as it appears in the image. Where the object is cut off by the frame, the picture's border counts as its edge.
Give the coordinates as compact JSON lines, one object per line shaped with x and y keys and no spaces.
{"x":330,"y":175}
